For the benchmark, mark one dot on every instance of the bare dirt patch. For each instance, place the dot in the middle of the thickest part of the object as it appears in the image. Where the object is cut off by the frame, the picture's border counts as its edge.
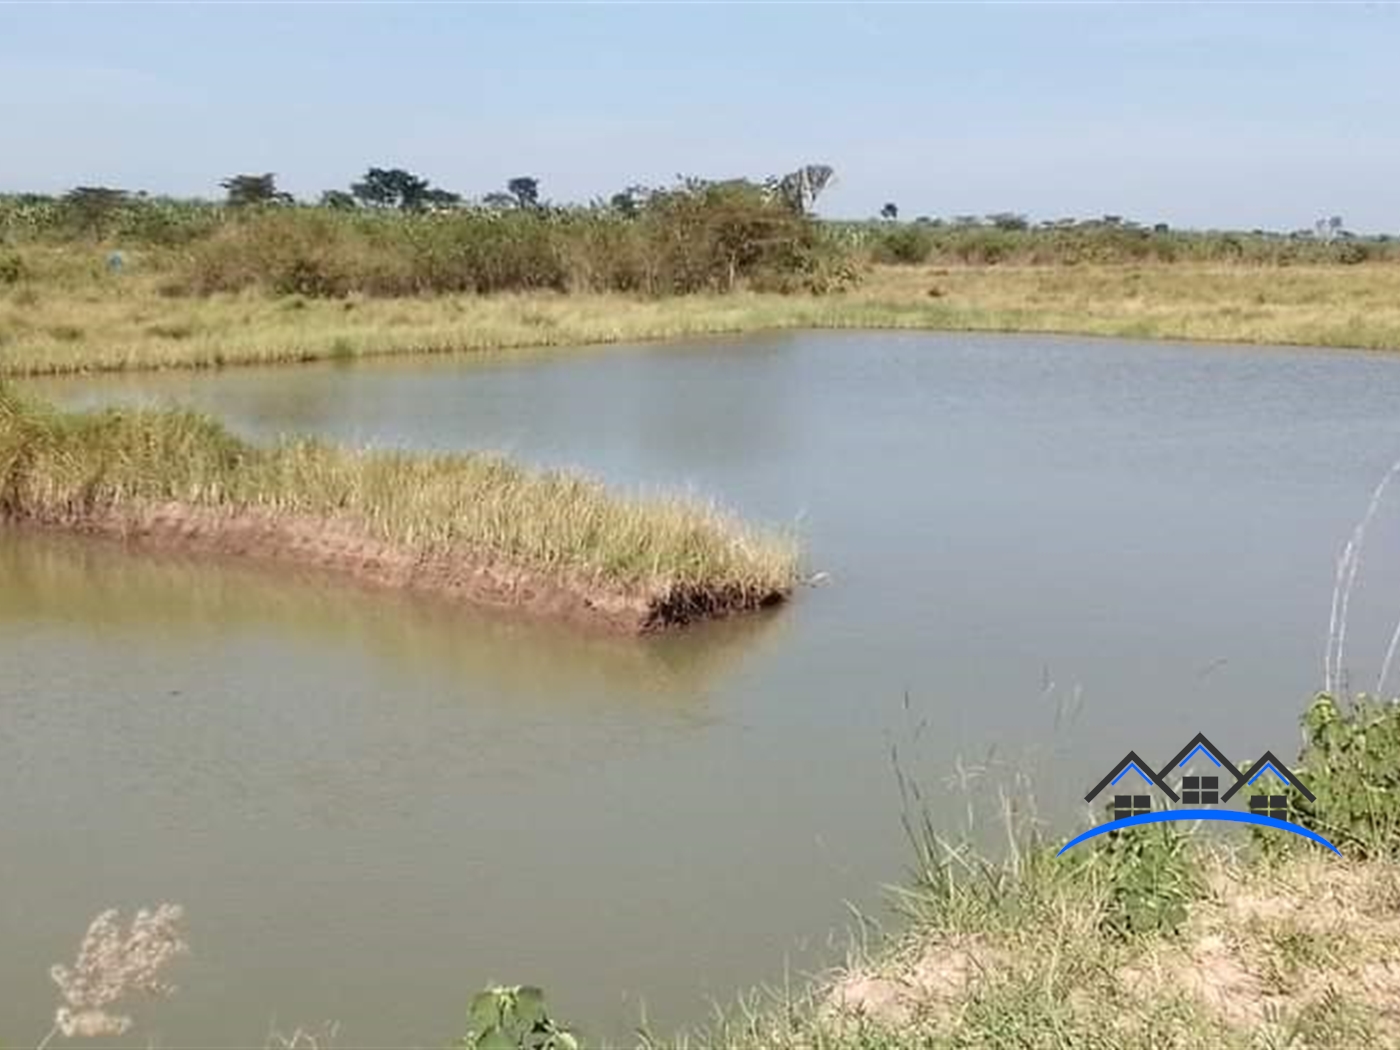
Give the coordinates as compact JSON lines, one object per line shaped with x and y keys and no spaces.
{"x":931,"y":986}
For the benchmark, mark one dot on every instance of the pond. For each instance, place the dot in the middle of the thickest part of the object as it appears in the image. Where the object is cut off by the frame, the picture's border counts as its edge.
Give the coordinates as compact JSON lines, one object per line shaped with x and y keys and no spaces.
{"x":1041,"y":552}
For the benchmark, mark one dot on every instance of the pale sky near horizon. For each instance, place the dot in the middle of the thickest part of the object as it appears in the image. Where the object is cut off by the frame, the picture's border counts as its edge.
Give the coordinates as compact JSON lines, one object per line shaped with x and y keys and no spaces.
{"x":1238,"y":115}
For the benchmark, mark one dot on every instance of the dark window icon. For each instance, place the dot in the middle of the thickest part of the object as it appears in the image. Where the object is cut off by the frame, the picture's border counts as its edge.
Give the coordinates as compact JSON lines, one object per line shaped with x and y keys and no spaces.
{"x":1275,"y":806}
{"x":1131,"y":806}
{"x":1200,"y":791}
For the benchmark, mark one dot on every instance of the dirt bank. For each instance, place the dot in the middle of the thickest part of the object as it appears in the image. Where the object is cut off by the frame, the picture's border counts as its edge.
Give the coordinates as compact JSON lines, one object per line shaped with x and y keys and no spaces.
{"x":335,"y":547}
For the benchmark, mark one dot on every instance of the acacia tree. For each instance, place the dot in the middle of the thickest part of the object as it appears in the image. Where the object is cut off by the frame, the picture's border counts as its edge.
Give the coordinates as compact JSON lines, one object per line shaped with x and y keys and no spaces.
{"x":525,"y":190}
{"x":392,"y":188}
{"x":339,"y":200}
{"x":437,"y":198}
{"x":1008,"y":220}
{"x":890,"y":211}
{"x":94,"y":208}
{"x":254,"y":189}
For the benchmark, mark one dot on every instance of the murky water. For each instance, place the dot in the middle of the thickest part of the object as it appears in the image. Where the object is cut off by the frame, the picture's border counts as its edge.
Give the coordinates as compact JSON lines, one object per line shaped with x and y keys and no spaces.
{"x":372,"y":804}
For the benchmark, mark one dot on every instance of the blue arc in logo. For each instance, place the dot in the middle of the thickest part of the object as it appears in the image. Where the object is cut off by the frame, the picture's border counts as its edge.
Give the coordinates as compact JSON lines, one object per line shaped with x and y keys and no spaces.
{"x":1228,"y":815}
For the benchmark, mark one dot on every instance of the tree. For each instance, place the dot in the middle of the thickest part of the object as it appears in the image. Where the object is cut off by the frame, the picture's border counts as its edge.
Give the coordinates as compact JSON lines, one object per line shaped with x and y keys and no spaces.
{"x":1328,"y":229}
{"x":1007,"y":220}
{"x":437,"y":198}
{"x":94,"y":208}
{"x":628,"y":203}
{"x":391,"y":188}
{"x":525,"y":190}
{"x":254,"y":189}
{"x":890,"y":211}
{"x":338,"y":200}
{"x":801,"y":188}
{"x":624,"y":204}
{"x":498,"y":200}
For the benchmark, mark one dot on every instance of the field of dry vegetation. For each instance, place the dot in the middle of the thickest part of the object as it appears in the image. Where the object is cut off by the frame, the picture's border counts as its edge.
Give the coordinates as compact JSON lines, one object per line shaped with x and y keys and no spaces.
{"x":101,"y":281}
{"x":63,"y":322}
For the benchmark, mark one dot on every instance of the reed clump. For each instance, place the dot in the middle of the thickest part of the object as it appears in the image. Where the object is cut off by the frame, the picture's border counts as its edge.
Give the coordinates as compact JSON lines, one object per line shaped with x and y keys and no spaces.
{"x":471,"y":524}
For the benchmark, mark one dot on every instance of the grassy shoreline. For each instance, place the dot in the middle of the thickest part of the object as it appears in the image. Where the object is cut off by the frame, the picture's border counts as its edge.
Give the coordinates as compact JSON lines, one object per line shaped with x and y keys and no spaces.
{"x":101,"y":323}
{"x":1150,"y":936}
{"x":471,"y":526}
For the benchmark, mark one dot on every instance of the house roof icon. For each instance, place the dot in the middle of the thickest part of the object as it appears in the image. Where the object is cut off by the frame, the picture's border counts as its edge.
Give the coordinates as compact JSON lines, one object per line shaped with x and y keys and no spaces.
{"x":1265,"y":762}
{"x":1199,"y":743}
{"x":1132,"y":763}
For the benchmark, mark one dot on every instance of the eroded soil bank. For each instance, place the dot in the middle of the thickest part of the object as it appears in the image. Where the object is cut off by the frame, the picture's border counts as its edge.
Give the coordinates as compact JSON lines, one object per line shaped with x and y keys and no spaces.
{"x":336,"y":547}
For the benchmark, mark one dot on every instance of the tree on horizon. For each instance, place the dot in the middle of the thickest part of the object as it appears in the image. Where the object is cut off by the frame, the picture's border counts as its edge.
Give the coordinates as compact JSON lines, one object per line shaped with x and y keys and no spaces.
{"x":244,"y":190}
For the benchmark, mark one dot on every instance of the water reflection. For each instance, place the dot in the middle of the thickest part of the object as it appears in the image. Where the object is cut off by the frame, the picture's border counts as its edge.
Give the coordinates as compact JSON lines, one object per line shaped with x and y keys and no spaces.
{"x":103,"y":586}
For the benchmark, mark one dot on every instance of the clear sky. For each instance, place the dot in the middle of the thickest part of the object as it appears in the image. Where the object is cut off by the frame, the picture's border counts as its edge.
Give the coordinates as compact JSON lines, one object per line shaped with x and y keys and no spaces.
{"x":1235,"y":115}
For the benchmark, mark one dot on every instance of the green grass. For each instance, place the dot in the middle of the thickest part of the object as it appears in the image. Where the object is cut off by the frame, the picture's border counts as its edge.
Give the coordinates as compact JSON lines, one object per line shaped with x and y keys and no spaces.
{"x":75,"y":467}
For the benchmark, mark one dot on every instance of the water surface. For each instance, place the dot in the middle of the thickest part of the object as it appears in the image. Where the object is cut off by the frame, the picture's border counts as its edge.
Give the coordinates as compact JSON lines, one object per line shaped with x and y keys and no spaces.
{"x":1042,"y":550}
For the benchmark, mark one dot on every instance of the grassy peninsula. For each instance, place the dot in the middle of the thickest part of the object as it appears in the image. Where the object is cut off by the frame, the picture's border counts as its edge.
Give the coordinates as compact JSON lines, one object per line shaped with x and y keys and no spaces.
{"x":470,"y":525}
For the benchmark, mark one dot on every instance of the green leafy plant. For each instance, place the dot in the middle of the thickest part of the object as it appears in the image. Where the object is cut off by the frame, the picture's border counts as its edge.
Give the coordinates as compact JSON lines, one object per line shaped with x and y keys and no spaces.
{"x":1152,"y":881}
{"x":1351,"y":762}
{"x":514,"y":1018}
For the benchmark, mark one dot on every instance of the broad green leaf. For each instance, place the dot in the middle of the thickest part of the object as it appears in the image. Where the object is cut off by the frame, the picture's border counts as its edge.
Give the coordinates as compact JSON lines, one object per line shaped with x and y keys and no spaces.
{"x":529,"y":1005}
{"x":485,"y":1010}
{"x":495,"y":1039}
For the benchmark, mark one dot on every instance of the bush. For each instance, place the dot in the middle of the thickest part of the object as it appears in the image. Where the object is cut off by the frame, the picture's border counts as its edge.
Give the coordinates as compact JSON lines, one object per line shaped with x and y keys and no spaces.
{"x":514,"y":1019}
{"x":696,"y":237}
{"x":1352,"y":252}
{"x":1351,"y":762}
{"x":12,"y":269}
{"x":908,"y":245}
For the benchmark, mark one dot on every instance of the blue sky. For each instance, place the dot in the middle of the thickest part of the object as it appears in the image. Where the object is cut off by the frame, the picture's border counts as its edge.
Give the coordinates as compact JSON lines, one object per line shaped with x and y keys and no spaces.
{"x":1222,"y":115}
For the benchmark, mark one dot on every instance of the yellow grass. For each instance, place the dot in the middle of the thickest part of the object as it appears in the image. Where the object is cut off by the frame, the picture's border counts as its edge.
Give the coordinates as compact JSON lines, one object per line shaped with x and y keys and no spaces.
{"x":89,"y":321}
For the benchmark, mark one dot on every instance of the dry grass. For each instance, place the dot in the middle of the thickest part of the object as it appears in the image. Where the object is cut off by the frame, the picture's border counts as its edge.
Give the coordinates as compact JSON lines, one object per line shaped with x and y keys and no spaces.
{"x":74,"y":470}
{"x":1302,"y":953}
{"x":73,"y":317}
{"x":113,"y":965}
